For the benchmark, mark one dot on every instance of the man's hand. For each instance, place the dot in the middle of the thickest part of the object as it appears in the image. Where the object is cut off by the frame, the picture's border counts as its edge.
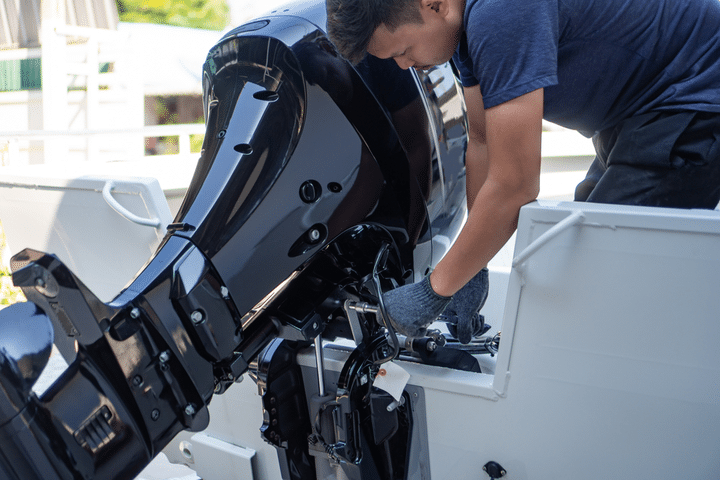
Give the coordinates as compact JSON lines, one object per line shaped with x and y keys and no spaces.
{"x":462,"y":314}
{"x":413,"y":307}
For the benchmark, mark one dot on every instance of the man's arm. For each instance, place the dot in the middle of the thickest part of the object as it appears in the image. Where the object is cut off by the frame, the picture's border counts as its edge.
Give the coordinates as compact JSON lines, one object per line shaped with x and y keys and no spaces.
{"x":503,"y":174}
{"x":476,"y":161}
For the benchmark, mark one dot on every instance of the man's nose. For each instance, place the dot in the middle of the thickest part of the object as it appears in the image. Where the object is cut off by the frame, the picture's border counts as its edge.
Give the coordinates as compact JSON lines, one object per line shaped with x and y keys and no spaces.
{"x":403,"y":62}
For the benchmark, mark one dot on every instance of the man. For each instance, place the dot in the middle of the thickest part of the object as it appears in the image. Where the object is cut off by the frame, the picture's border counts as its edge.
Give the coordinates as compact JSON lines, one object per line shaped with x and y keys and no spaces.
{"x":640,"y":76}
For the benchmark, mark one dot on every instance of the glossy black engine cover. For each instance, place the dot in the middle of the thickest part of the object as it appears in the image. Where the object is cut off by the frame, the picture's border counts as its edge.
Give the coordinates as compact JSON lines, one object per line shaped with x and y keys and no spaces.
{"x":298,"y":149}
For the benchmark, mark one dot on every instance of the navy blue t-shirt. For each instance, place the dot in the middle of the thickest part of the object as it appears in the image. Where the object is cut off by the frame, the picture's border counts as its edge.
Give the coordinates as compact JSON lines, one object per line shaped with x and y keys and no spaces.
{"x":599,"y":61}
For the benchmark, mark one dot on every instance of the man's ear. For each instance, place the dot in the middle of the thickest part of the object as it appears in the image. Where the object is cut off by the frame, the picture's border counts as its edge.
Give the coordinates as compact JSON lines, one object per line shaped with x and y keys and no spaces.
{"x":437,"y":6}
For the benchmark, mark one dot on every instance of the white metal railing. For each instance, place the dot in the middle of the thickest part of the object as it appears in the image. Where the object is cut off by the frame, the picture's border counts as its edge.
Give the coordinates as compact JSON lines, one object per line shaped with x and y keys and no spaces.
{"x":74,"y":90}
{"x":20,"y":53}
{"x":10,"y":140}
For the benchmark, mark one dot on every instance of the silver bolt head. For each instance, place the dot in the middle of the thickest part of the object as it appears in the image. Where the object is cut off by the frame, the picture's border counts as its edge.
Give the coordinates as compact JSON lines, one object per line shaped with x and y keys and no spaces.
{"x":196,"y":316}
{"x":189,"y":409}
{"x":135,"y":313}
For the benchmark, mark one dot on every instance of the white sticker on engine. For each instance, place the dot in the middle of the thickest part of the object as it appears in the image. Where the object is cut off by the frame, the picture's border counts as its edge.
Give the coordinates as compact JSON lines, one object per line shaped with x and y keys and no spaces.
{"x":392,"y":379}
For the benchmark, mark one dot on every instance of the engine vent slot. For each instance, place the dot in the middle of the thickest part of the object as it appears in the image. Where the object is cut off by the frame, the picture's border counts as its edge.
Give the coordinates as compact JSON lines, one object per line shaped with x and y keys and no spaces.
{"x":96,"y":432}
{"x":266,"y":96}
{"x":243,"y":148}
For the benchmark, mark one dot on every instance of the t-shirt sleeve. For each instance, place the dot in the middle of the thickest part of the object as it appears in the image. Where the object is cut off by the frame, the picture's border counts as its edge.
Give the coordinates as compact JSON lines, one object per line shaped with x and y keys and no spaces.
{"x":512,"y":48}
{"x":463,"y":64}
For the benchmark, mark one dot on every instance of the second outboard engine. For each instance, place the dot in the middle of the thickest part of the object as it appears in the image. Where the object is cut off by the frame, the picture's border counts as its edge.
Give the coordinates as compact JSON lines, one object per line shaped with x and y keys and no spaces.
{"x":305,"y":203}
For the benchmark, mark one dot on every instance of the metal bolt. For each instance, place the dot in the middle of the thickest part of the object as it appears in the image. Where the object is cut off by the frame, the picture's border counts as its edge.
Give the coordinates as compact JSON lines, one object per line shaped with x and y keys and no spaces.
{"x":137,"y":380}
{"x":39,"y":282}
{"x":164,"y":356}
{"x":155,"y":414}
{"x":134,"y":313}
{"x":224,"y":292}
{"x":190,"y":409}
{"x":313,"y":235}
{"x":197,"y":317}
{"x":431,"y":346}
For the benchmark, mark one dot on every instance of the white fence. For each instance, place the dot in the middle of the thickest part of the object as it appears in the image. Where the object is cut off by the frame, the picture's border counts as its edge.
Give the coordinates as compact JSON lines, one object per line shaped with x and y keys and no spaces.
{"x":16,"y":147}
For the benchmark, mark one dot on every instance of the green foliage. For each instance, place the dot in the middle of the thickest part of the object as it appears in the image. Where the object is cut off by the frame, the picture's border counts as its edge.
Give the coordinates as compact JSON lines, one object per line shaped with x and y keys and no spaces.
{"x":196,"y":142}
{"x":206,"y":14}
{"x":9,"y":294}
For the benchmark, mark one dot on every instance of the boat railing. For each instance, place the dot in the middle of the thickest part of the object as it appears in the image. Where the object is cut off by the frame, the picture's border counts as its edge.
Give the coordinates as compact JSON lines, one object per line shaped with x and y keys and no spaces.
{"x":14,"y":143}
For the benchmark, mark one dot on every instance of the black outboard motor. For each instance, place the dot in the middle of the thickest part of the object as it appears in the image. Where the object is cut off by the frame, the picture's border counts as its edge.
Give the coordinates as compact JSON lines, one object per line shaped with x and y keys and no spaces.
{"x":304,"y":198}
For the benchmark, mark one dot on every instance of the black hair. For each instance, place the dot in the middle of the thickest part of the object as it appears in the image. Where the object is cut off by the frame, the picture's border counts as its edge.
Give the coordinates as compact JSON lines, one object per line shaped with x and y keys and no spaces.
{"x":352,"y":23}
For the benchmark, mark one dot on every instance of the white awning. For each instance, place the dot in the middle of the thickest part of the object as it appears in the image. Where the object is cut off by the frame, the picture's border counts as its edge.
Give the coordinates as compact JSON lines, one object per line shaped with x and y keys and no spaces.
{"x":169,"y":59}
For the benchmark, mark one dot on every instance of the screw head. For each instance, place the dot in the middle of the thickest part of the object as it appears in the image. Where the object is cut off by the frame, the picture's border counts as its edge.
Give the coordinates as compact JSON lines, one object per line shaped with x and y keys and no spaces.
{"x":313,"y":235}
{"x":135,"y":313}
{"x":155,"y":414}
{"x":137,"y":380}
{"x":190,"y":409}
{"x":197,"y":317}
{"x":164,"y":356}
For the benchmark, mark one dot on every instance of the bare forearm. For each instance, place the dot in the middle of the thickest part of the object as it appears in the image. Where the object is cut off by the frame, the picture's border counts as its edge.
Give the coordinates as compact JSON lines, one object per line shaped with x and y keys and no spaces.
{"x":503,"y":162}
{"x":491,"y":222}
{"x":476,"y":169}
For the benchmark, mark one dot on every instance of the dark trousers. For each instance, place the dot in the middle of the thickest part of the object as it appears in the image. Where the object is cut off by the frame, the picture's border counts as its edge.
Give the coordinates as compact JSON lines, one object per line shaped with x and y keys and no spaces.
{"x":662,"y":159}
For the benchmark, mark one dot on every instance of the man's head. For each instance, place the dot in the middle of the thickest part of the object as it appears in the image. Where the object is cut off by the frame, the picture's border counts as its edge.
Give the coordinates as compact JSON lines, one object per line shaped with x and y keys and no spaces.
{"x":416,"y":33}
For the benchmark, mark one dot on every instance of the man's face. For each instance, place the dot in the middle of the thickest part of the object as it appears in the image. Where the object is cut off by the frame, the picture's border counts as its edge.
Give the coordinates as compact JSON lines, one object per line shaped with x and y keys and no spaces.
{"x":418,"y":45}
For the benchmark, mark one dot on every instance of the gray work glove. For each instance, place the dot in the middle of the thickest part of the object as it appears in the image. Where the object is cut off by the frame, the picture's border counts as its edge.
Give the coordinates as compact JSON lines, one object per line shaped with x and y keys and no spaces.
{"x":413,"y":307}
{"x":462,"y":314}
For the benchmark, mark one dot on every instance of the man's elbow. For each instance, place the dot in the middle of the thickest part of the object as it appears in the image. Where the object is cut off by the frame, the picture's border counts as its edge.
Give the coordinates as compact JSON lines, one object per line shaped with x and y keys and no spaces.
{"x":530,"y":191}
{"x":517,"y":192}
